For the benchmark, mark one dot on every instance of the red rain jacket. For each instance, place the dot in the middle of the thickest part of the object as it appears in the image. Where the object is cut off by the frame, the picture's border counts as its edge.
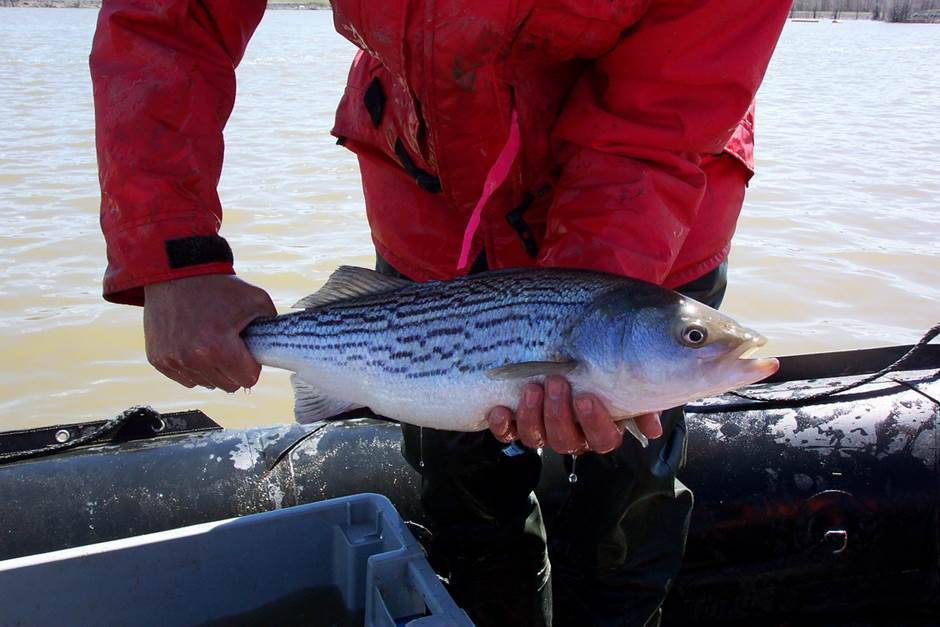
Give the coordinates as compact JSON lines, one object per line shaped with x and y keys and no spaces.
{"x":623,"y":107}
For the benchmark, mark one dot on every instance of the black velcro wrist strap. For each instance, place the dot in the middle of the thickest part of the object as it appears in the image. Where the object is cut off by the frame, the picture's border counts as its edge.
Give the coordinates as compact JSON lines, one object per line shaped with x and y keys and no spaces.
{"x":194,"y":251}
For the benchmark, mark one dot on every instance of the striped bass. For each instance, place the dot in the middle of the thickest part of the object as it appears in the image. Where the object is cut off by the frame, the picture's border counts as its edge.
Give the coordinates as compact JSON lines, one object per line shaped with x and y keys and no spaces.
{"x":441,"y":354}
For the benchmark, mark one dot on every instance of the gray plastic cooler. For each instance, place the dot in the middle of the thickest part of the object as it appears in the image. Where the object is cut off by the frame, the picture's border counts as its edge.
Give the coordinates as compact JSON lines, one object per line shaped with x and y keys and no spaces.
{"x":347,"y":561}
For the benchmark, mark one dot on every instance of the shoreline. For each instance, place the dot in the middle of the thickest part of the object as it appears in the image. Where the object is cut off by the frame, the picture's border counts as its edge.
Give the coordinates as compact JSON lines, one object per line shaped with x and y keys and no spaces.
{"x":928,"y":16}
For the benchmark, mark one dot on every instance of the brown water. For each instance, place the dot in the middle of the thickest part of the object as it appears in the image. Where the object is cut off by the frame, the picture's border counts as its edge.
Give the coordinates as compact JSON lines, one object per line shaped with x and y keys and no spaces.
{"x":838,"y":248}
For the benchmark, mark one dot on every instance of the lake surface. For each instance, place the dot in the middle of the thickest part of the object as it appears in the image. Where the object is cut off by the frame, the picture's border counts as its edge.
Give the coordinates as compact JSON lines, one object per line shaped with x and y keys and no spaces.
{"x":837,"y":249}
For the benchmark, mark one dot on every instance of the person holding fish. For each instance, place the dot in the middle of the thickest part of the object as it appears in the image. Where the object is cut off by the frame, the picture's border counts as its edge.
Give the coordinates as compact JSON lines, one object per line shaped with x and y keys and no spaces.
{"x":599,"y":149}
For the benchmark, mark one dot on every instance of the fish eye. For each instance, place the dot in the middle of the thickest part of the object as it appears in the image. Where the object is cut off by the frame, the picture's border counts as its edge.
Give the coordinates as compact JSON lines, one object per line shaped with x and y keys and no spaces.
{"x":694,"y":335}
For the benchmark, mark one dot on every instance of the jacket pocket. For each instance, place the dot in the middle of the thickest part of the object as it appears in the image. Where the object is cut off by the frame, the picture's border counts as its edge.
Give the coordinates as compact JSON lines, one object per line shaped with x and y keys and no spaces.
{"x":379,"y":113}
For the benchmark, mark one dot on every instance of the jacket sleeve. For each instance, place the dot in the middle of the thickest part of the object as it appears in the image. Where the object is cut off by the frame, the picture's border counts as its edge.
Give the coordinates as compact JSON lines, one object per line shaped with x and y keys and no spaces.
{"x":163,"y":73}
{"x":630,"y":137}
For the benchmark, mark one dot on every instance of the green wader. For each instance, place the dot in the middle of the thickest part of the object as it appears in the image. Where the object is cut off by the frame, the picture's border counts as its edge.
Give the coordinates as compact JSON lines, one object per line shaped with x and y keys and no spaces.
{"x":617,"y":541}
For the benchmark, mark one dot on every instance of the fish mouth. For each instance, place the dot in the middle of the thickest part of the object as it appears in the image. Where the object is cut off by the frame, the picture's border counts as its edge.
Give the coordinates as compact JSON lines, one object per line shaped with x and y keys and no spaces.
{"x":750,"y":342}
{"x":757,"y":369}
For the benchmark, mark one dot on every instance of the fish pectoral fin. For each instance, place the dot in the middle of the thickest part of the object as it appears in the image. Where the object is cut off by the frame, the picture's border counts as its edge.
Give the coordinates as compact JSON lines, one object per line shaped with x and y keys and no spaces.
{"x":348,"y":282}
{"x":527,"y":369}
{"x":310,"y":405}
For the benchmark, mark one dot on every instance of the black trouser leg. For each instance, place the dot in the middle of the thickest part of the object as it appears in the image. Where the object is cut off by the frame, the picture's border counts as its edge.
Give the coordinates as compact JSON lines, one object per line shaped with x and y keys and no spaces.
{"x":487,"y":536}
{"x":617,"y":542}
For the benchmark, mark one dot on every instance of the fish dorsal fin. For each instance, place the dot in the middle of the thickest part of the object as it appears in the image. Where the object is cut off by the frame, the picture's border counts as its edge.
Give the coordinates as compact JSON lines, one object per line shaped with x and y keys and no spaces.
{"x":348,"y":282}
{"x":310,"y":405}
{"x":527,"y":369}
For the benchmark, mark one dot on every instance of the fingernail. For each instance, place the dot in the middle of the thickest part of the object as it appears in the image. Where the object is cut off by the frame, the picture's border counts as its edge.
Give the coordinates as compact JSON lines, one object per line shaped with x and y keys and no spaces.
{"x":554,"y":390}
{"x":583,"y":405}
{"x":531,"y":398}
{"x":496,"y":419}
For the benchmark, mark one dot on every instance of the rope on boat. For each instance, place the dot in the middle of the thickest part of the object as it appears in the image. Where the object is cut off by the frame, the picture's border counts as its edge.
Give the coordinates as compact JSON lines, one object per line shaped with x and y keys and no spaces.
{"x":933,"y":332}
{"x":109,"y":427}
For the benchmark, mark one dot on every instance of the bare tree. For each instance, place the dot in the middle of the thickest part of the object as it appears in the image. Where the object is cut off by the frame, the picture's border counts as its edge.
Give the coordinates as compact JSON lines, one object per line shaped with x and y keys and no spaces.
{"x":888,"y":10}
{"x":900,"y":11}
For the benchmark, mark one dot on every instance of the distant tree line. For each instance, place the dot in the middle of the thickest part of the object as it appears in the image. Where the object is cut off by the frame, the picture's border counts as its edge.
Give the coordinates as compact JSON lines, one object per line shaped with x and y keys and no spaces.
{"x":887,"y":10}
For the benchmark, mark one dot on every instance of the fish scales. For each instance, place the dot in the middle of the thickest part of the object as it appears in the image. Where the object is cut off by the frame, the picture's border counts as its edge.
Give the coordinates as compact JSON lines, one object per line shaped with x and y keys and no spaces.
{"x":440,"y":354}
{"x":482,"y":326}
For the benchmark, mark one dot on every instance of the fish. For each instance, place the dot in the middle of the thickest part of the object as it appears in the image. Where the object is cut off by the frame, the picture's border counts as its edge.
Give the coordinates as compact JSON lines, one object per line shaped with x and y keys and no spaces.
{"x":441,"y":354}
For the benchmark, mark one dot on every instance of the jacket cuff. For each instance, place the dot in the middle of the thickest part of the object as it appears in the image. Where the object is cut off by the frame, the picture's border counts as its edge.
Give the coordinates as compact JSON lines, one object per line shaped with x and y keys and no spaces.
{"x":136,"y":258}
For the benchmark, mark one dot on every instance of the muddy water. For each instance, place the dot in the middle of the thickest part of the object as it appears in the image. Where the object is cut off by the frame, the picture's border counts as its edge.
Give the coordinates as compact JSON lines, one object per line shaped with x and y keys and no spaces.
{"x":838,"y":247}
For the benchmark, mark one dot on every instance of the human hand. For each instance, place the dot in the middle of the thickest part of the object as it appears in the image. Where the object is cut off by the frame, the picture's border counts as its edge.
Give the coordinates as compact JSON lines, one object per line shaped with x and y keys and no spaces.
{"x":546,"y":415}
{"x":192,"y":327}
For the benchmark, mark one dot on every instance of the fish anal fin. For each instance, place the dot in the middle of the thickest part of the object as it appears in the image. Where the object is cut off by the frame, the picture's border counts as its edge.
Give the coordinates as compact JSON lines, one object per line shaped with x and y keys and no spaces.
{"x":311,"y":405}
{"x":526,"y":369}
{"x":348,"y":282}
{"x":630,"y":426}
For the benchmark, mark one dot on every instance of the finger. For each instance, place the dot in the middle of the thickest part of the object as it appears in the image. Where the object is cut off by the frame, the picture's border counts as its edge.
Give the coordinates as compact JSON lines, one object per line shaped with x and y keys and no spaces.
{"x":240,"y":366}
{"x":174,"y":375}
{"x":219,"y":379}
{"x":500,"y":423}
{"x":204,"y":374}
{"x":199,"y":377}
{"x":529,"y":422}
{"x":211,"y":372}
{"x":561,"y":430}
{"x":168,"y":368}
{"x":261,"y":307}
{"x":649,"y":425}
{"x":214,"y":365}
{"x":181,"y":378}
{"x":267,"y":307}
{"x":227,"y":365}
{"x":194,"y":364}
{"x":602,"y":434}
